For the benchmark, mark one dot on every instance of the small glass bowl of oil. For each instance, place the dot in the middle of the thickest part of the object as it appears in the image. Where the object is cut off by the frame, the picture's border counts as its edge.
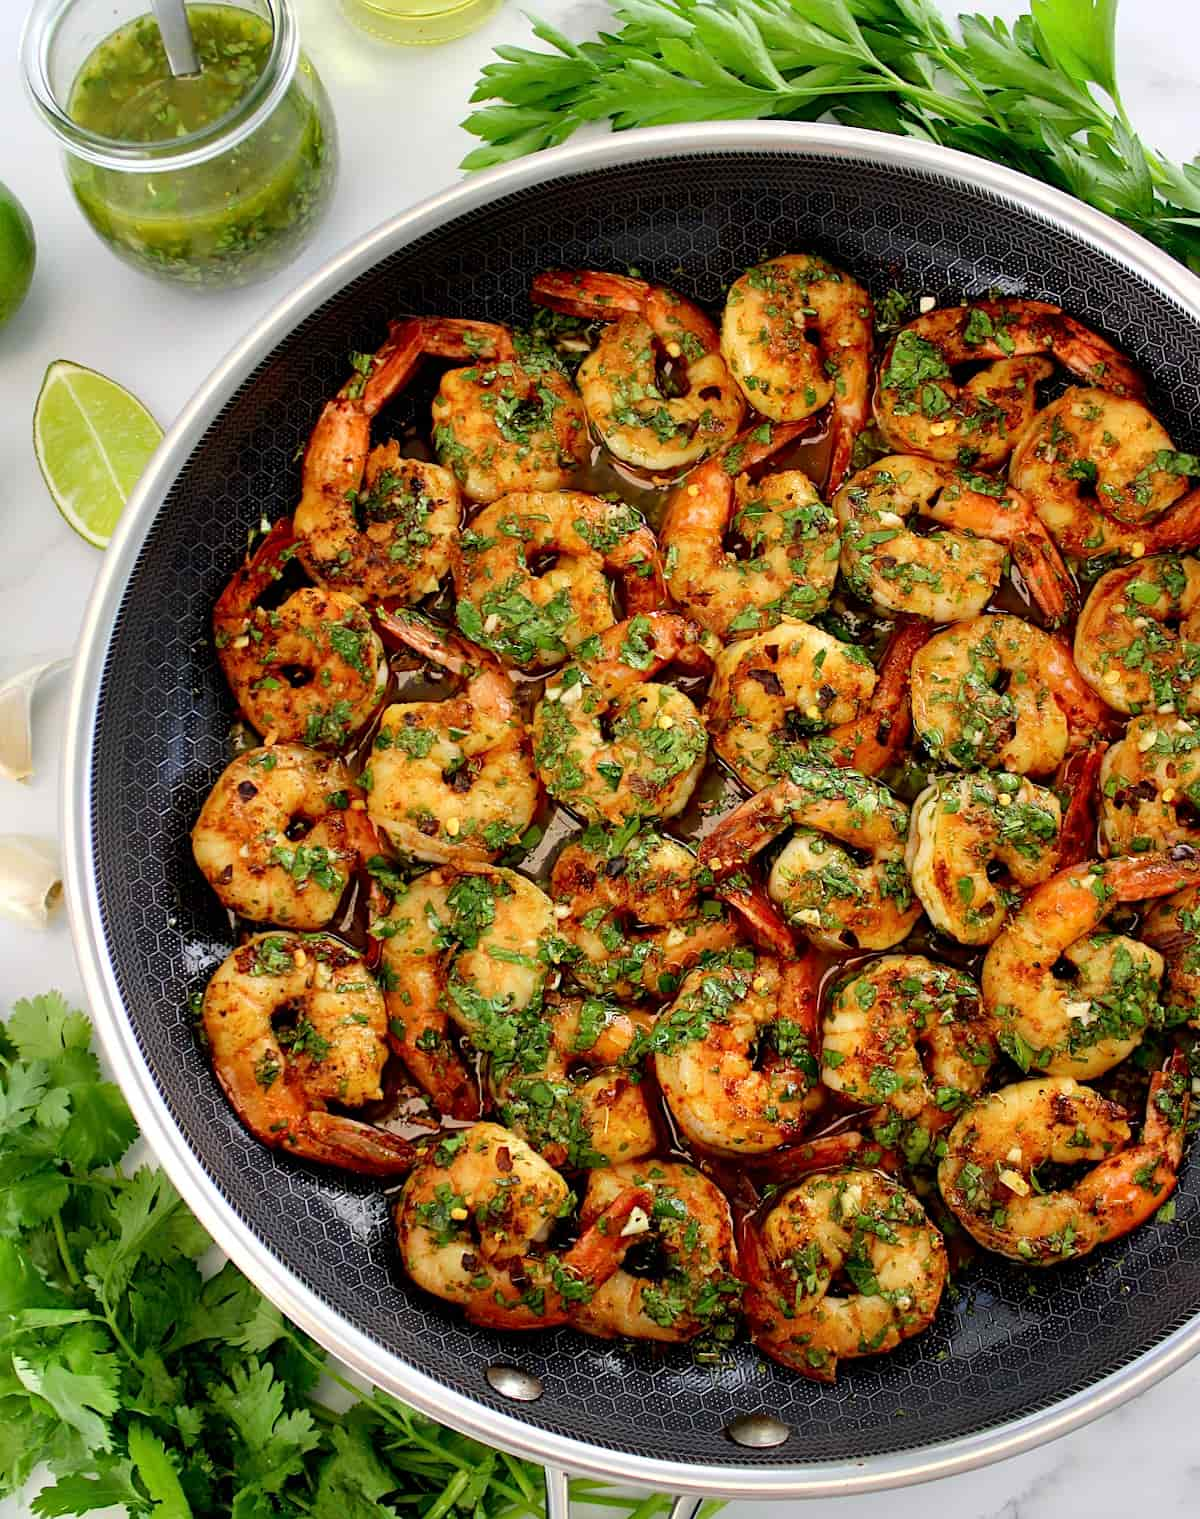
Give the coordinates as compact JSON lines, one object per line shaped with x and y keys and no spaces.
{"x":419,"y":23}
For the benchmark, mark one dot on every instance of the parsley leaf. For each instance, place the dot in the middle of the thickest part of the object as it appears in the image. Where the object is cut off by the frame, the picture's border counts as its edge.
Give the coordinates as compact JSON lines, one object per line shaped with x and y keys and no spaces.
{"x":1019,"y":94}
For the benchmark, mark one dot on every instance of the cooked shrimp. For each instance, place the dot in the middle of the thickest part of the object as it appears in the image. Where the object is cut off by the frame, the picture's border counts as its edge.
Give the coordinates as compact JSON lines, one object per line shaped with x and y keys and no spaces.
{"x":965,"y":826}
{"x":947,"y":576}
{"x":787,"y":537}
{"x":1137,"y":642}
{"x":530,"y":615}
{"x":797,"y":334}
{"x":1085,"y":1025}
{"x":796,"y":693}
{"x":313,"y":670}
{"x":1103,"y":475}
{"x":997,"y":693}
{"x":370,"y":522}
{"x":909,"y":1036}
{"x":474,"y":1225}
{"x":1150,"y":787}
{"x":651,"y":763}
{"x":773,"y":693}
{"x":452,"y":779}
{"x":464,"y":945}
{"x":825,"y":892}
{"x":631,"y":908}
{"x":988,"y":1179}
{"x":734,"y":1053}
{"x":853,"y":1223}
{"x":280,"y":834}
{"x":650,"y":419}
{"x":293,"y":1023}
{"x":1172,"y":927}
{"x":683,"y":1284}
{"x":511,"y":420}
{"x":840,"y":880}
{"x":565,"y":1091}
{"x":920,"y":408}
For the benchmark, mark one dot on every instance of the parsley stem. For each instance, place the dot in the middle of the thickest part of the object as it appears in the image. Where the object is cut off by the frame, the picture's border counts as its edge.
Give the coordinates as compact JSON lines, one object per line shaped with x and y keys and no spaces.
{"x":103,"y":1183}
{"x":647,"y":1507}
{"x":322,"y":1363}
{"x":60,"y":1235}
{"x":516,"y":1470}
{"x":110,"y":1318}
{"x":450,"y":1495}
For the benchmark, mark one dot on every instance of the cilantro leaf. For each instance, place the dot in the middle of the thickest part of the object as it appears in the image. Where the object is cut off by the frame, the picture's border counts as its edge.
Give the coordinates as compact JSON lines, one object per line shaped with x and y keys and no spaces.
{"x":271,"y":1444}
{"x":145,"y":1385}
{"x":157,"y":1473}
{"x":45,"y":1027}
{"x":81,"y":1387}
{"x":76,"y":1493}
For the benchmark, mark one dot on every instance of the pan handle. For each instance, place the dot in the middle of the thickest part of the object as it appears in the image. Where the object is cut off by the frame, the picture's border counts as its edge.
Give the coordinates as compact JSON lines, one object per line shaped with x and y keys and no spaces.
{"x":558,"y":1498}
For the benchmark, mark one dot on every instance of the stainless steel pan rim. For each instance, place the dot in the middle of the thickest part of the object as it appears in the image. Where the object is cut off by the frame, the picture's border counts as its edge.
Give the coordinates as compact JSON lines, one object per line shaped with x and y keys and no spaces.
{"x":828,"y":1479}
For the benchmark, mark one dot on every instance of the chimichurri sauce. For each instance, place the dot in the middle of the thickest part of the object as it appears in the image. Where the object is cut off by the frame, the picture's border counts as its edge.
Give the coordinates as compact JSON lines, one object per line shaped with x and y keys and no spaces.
{"x":242,"y":213}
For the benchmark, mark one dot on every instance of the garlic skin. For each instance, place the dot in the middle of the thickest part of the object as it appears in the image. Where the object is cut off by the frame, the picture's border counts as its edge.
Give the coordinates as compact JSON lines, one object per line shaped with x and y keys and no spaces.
{"x":30,"y":879}
{"x":16,"y":716}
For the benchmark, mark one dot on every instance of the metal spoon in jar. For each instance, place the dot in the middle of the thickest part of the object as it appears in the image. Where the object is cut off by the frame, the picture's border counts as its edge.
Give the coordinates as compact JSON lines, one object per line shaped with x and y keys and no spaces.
{"x":176,"y":33}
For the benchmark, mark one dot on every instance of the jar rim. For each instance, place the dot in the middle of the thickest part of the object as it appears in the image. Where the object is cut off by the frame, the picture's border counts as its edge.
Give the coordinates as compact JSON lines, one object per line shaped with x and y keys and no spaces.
{"x":197,"y":147}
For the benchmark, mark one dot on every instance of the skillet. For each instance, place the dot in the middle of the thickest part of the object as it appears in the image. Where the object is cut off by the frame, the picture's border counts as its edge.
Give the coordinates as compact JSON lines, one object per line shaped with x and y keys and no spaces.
{"x":1015,"y":1357}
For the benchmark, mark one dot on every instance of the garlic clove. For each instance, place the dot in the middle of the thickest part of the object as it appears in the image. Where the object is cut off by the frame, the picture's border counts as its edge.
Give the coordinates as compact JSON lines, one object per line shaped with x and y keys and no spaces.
{"x":16,"y":716}
{"x":30,"y":879}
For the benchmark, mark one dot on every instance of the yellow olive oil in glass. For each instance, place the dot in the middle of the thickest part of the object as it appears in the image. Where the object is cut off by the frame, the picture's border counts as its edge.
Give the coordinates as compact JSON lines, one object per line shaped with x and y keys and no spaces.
{"x":419,"y":22}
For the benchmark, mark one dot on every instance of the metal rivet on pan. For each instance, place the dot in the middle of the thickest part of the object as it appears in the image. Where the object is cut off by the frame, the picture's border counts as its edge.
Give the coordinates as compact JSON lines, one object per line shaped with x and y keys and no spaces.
{"x":512,"y":1382}
{"x":757,"y":1430}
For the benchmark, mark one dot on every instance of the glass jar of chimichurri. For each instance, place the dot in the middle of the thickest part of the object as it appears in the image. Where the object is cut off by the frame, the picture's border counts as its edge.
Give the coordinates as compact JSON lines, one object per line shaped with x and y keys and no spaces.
{"x":217,"y":179}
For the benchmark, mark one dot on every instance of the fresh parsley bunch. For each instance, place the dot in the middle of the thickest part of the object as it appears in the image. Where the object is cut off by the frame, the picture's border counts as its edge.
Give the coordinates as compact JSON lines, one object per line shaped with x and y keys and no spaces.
{"x":142,"y":1382}
{"x":1041,"y":96}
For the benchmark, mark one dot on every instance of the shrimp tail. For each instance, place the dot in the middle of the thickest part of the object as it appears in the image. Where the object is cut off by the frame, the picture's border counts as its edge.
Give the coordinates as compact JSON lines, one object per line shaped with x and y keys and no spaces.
{"x":824,"y":1153}
{"x":393,"y":366}
{"x":875,"y":740}
{"x":1086,"y":713}
{"x":662,"y":638}
{"x":1076,"y":781}
{"x":354,"y":1146}
{"x":260,"y":570}
{"x":849,"y":419}
{"x":766,"y":925}
{"x":1135,"y":878}
{"x":461,"y":338}
{"x":1095,"y":359}
{"x":755,"y":445}
{"x":1036,"y":556}
{"x":741,"y":834}
{"x":432,"y":1061}
{"x":1178,"y":527}
{"x":589,"y":293}
{"x":433,"y":644}
{"x":637,"y":564}
{"x":600,"y":1249}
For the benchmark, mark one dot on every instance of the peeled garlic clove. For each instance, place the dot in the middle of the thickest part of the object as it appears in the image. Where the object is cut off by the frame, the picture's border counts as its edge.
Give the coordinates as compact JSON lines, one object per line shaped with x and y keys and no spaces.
{"x":16,"y":714}
{"x":30,"y":879}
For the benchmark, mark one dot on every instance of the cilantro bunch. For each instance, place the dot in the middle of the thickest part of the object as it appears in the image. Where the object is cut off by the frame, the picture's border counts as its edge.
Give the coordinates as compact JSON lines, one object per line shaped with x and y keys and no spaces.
{"x":1041,"y":96}
{"x":142,"y":1382}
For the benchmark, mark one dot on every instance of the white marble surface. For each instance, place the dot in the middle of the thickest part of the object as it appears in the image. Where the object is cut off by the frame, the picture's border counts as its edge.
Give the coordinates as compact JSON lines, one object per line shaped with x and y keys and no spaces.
{"x":397,"y":112}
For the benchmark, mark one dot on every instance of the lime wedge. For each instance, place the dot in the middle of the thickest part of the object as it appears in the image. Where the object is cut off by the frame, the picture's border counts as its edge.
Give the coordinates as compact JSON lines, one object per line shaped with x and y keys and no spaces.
{"x":92,"y":440}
